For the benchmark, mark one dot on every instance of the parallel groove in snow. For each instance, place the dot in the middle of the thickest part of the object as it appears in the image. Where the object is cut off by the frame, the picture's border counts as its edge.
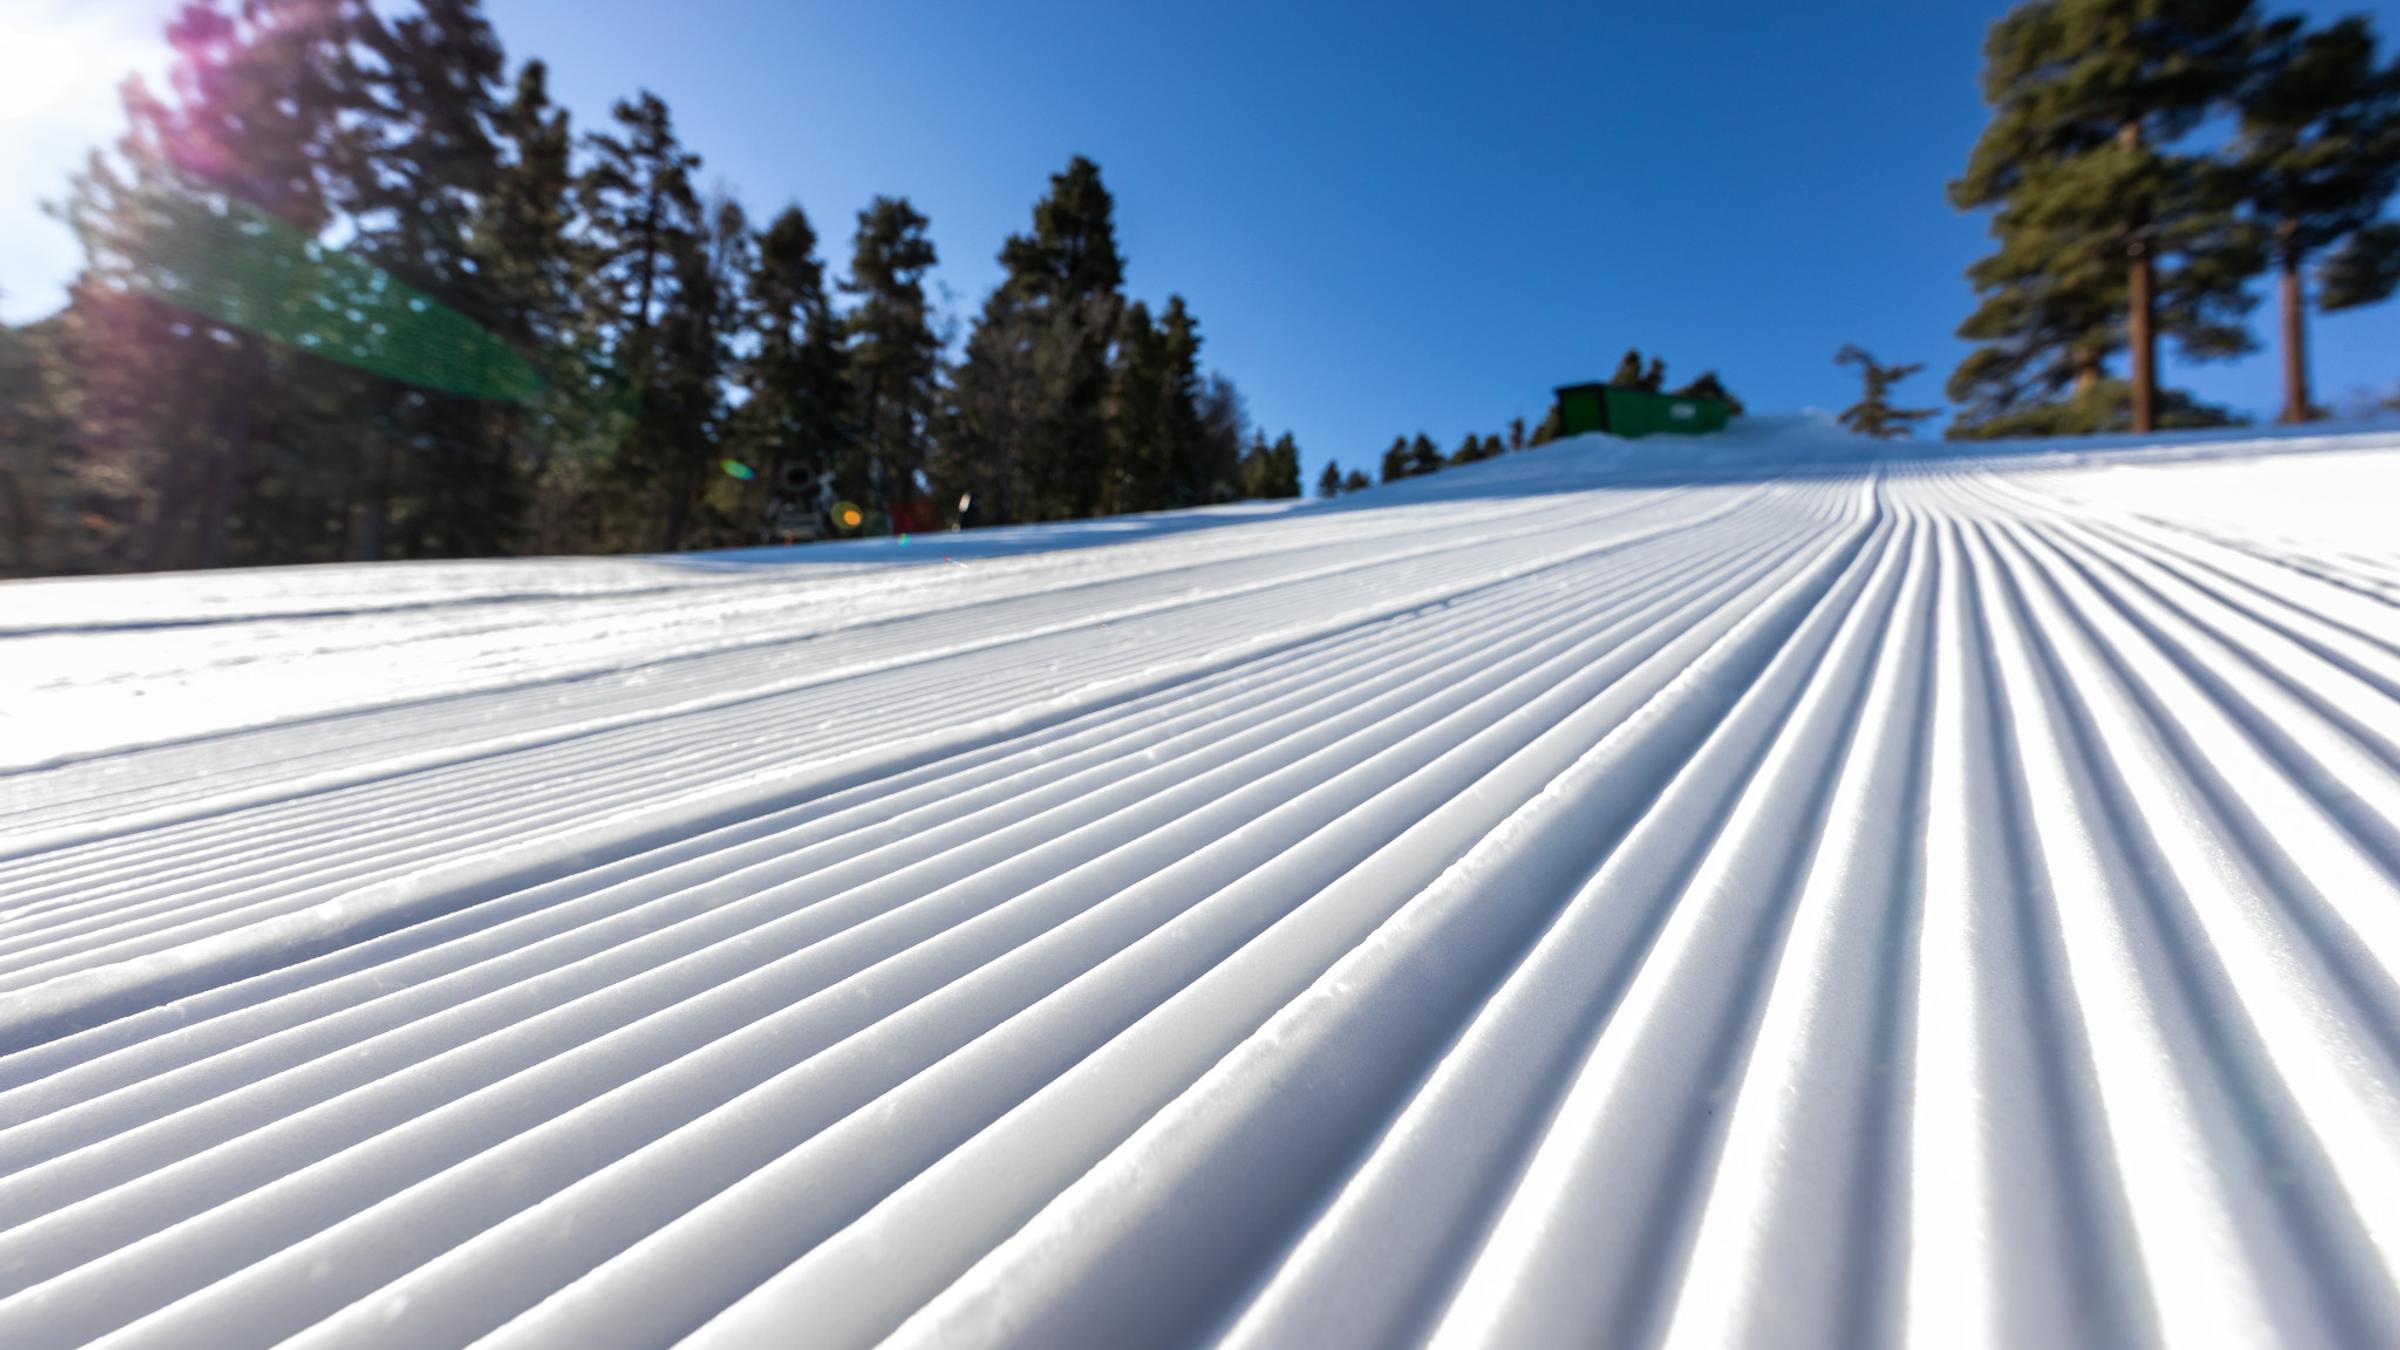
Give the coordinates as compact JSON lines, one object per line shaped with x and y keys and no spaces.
{"x":1581,"y":896}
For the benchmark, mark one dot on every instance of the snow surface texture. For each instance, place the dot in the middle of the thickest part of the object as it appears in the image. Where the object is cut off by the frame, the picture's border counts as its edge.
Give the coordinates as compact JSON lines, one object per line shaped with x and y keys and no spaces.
{"x":1708,"y":892}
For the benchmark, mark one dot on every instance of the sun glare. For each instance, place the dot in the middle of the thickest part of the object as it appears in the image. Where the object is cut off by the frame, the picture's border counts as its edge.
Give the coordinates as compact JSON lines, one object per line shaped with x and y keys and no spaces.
{"x":38,"y":68}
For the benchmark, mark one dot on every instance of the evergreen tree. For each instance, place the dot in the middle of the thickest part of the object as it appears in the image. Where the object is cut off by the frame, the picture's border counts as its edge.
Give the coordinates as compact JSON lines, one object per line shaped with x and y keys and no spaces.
{"x":1516,"y":433}
{"x":1423,"y":456}
{"x":1283,"y":479}
{"x":2109,"y":235}
{"x":1546,"y":431}
{"x":1708,"y":386}
{"x":1395,"y":460}
{"x":1137,"y":470}
{"x":893,"y":356}
{"x":205,"y":440}
{"x":642,"y":231}
{"x":1329,"y":483}
{"x":1873,"y":415}
{"x":524,"y":248}
{"x":1469,"y":450}
{"x":1271,"y":471}
{"x":1356,"y":481}
{"x":1629,"y":371}
{"x":791,"y":424}
{"x":1222,"y":424}
{"x":1492,"y":448}
{"x":1180,"y":432}
{"x":2105,"y":407}
{"x":442,"y":477}
{"x":1029,"y":428}
{"x":1654,"y":379}
{"x":694,"y":355}
{"x":37,"y":463}
{"x":2319,"y":149}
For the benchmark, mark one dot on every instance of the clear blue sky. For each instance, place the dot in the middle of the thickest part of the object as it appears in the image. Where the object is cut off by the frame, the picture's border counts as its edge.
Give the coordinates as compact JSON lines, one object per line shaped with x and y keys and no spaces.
{"x":1389,"y":218}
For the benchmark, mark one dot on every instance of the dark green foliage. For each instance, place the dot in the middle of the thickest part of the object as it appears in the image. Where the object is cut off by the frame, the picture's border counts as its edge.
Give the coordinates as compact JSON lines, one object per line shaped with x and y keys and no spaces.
{"x":1395,"y":460}
{"x":37,"y":488}
{"x":1873,"y":414}
{"x":1475,"y":448}
{"x":1030,"y":430}
{"x":1356,"y":481}
{"x":1516,"y":433}
{"x":1222,"y":421}
{"x":1423,"y":456}
{"x":1329,"y":483}
{"x":1707,"y":385}
{"x":2319,"y":151}
{"x":351,"y":292}
{"x":2106,"y":407}
{"x":1546,"y":430}
{"x":1271,"y":470}
{"x":1629,"y":371}
{"x":208,"y":443}
{"x":893,"y":356}
{"x":2108,"y":234}
{"x":793,"y":421}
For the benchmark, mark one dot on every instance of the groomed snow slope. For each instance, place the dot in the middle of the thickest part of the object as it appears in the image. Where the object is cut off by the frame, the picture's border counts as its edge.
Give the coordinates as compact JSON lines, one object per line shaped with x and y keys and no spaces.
{"x":1701,"y":892}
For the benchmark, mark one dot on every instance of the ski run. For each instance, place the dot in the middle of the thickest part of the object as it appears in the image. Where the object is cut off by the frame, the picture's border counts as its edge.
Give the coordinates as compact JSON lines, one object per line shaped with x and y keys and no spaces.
{"x":1699,"y":893}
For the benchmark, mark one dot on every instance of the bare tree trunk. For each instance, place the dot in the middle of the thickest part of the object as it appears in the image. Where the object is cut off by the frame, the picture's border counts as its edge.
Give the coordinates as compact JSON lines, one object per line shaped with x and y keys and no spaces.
{"x":2295,"y":333}
{"x":2142,"y":316}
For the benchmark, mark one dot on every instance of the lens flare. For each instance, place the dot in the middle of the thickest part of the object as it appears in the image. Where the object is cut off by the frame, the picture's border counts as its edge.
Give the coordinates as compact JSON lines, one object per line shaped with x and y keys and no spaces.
{"x":848,"y":517}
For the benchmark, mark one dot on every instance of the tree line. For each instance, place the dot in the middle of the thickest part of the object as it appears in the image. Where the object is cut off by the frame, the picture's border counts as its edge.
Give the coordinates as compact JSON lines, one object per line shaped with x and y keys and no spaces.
{"x":2146,"y":160}
{"x":1417,"y":456}
{"x":352,"y":290}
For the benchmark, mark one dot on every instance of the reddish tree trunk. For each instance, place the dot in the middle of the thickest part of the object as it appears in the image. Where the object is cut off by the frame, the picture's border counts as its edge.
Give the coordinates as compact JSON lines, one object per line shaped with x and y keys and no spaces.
{"x":2295,"y":331}
{"x":2141,"y":320}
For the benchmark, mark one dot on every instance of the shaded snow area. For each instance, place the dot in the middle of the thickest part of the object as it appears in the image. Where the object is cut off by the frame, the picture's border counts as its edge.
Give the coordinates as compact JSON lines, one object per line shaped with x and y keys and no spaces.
{"x":1703,"y":892}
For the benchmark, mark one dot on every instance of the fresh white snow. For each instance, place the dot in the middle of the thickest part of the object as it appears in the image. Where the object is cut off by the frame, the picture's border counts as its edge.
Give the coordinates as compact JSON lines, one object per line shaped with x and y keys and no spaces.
{"x":1729,"y":891}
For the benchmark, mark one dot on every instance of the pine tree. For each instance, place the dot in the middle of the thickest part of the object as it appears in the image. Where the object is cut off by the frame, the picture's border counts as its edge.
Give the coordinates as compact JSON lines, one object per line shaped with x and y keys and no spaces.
{"x":37,"y":456}
{"x":1516,"y":433}
{"x":1283,"y":478}
{"x":442,"y":477}
{"x":206,"y":440}
{"x":1546,"y":430}
{"x":1222,"y":424}
{"x":1395,"y":460}
{"x":1271,"y":471}
{"x":1329,"y":483}
{"x":694,"y":354}
{"x":525,"y":250}
{"x":2106,"y":406}
{"x":1469,"y":450}
{"x":1708,"y":386}
{"x":1356,"y":481}
{"x":642,"y":229}
{"x":2109,"y":235}
{"x":791,"y":425}
{"x":1873,"y":415}
{"x":1423,"y":456}
{"x":1180,"y":433}
{"x":893,"y":356}
{"x":1629,"y":371}
{"x":2319,"y":151}
{"x":1029,"y":428}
